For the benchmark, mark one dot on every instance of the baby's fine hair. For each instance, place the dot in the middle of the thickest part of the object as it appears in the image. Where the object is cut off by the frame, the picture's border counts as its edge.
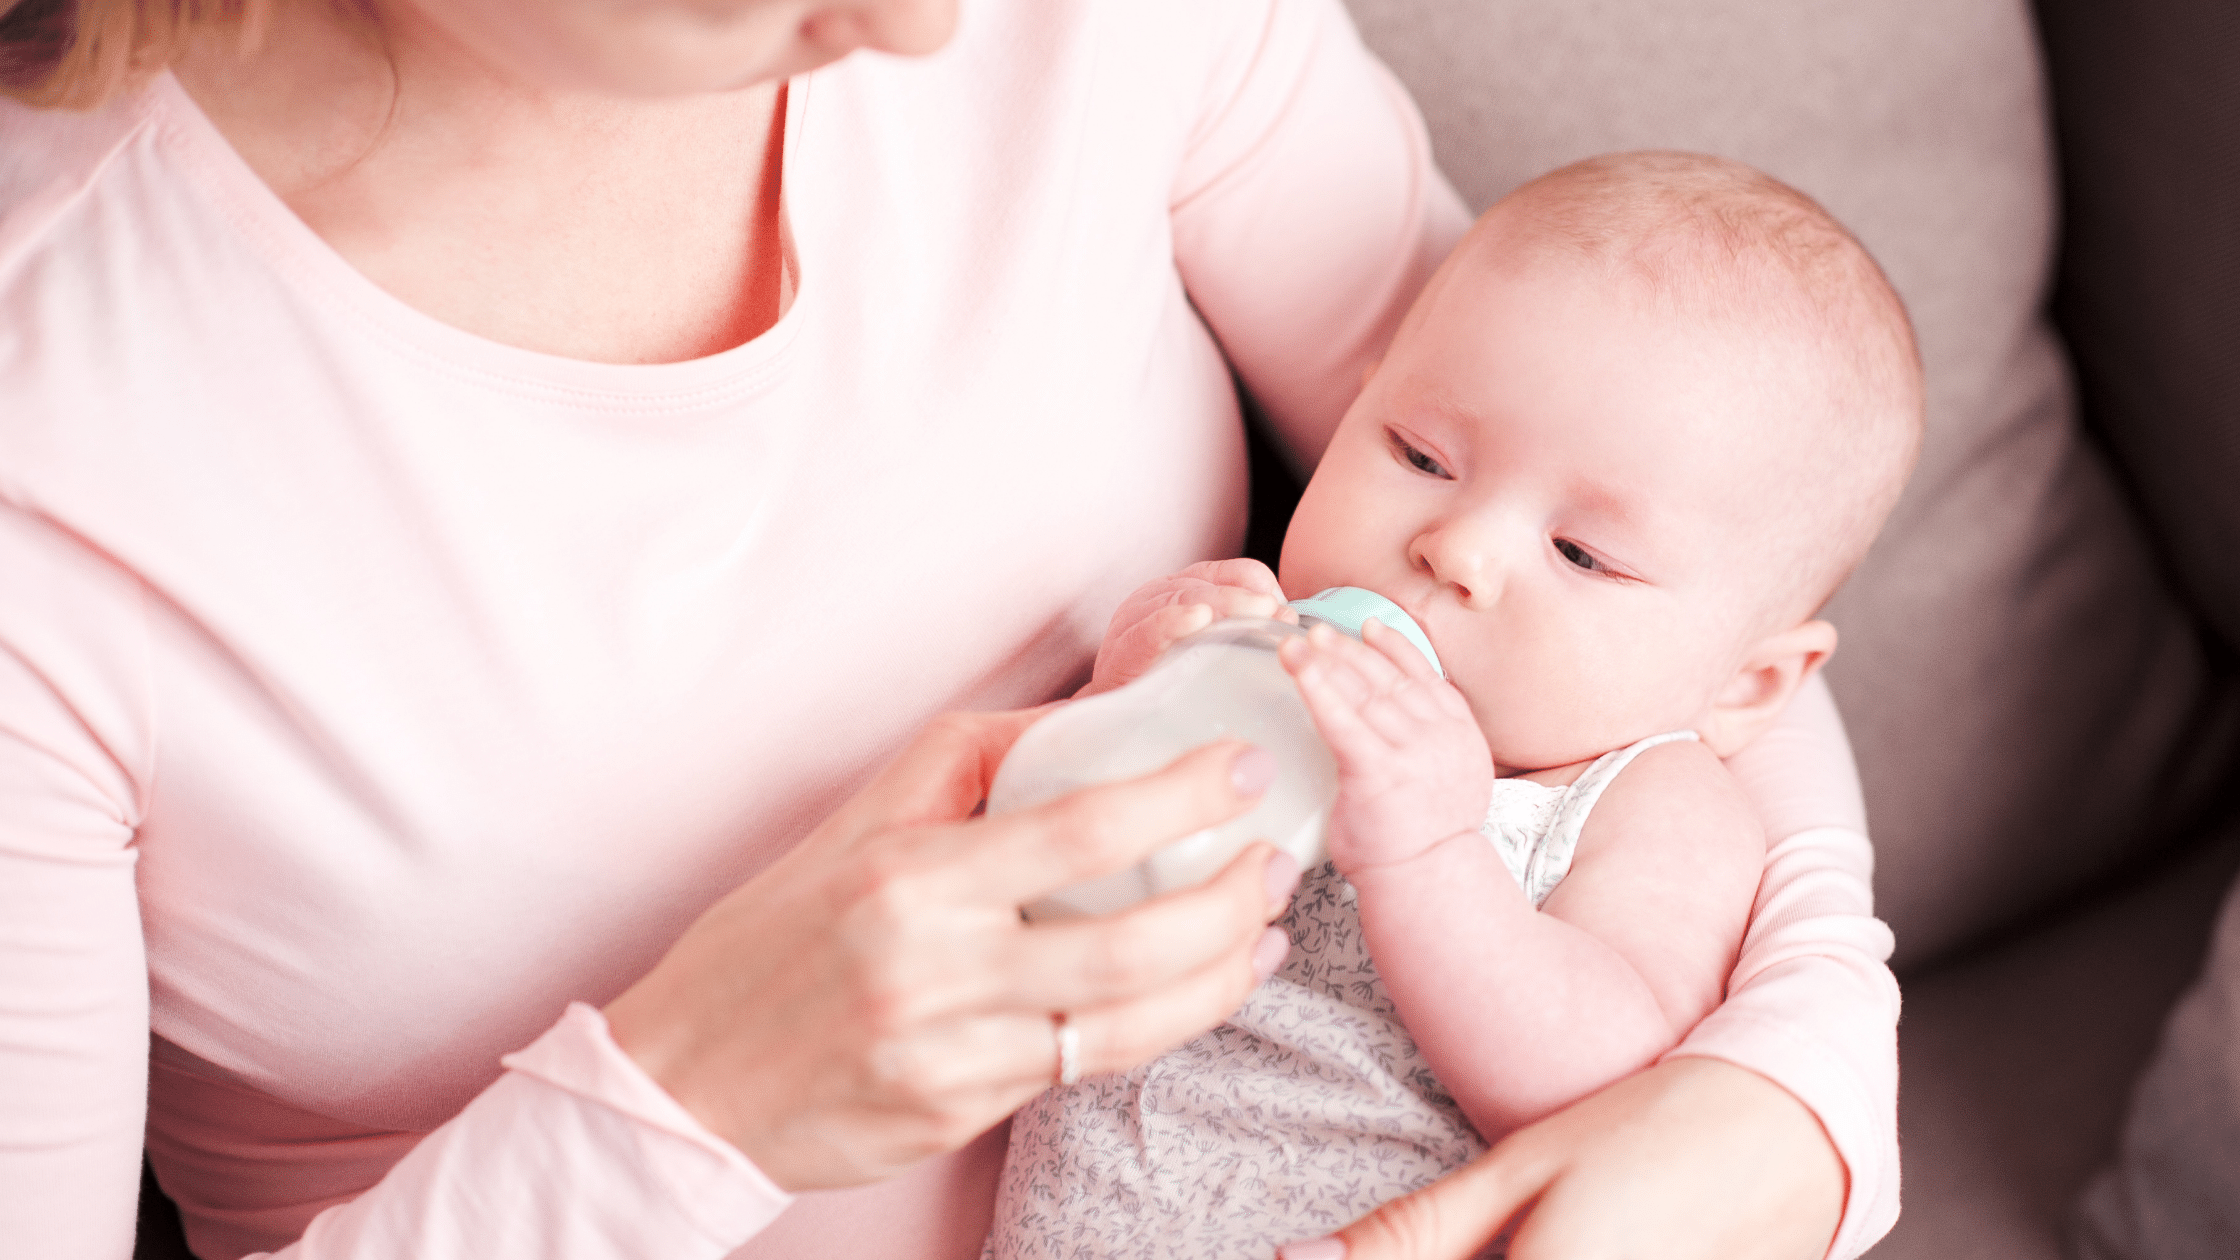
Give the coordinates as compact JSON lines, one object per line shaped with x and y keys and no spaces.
{"x":1711,"y":238}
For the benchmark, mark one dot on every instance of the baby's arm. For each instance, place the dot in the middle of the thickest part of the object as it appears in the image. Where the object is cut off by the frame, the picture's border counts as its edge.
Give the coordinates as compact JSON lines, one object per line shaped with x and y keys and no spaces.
{"x":1522,"y":1011}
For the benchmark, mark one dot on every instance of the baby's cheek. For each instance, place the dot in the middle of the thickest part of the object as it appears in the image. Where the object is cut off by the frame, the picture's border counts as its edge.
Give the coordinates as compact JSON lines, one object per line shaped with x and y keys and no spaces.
{"x":1523,"y":729}
{"x":1539,"y":706}
{"x":1541,"y":721}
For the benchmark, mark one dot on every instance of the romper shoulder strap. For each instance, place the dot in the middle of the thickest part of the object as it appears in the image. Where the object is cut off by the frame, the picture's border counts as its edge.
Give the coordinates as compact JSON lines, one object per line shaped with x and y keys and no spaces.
{"x":1551,"y":859}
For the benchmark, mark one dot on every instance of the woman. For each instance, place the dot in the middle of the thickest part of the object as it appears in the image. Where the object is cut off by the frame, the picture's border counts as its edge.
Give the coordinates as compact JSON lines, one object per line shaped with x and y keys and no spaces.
{"x":495,"y":475}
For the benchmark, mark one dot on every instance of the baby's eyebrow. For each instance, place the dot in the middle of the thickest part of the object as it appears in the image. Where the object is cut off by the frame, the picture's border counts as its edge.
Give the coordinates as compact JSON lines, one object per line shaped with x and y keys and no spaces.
{"x":1451,"y":415}
{"x":1621,"y":526}
{"x":1607,"y":506}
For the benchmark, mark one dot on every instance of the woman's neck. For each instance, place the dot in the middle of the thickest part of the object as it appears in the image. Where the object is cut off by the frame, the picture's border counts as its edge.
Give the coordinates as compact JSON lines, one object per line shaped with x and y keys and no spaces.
{"x":593,"y":226}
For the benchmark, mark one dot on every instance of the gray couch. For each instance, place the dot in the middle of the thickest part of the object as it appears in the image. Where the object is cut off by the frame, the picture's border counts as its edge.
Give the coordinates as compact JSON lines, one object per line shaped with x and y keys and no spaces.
{"x":2036,"y":658}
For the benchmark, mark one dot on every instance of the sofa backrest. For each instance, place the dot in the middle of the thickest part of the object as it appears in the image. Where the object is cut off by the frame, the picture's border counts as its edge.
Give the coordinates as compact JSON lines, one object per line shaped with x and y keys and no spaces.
{"x":2032,"y":707}
{"x":2147,"y":296}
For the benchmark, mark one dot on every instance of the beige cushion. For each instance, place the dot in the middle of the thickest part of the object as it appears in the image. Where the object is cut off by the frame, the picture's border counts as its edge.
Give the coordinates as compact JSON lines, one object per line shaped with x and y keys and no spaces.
{"x":2019,"y":1062}
{"x":2174,"y":1193}
{"x":2016,"y":677}
{"x":2149,"y":114}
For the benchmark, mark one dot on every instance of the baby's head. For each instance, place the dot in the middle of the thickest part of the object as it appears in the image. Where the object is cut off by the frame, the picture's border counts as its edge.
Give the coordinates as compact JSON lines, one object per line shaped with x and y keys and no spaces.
{"x":1637,"y":428}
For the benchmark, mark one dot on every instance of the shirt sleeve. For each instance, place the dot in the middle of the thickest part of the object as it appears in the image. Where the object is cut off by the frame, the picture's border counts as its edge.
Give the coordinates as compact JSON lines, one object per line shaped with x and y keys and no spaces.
{"x":573,"y":1154}
{"x":1812,"y":1005}
{"x":1307,"y":211}
{"x":73,"y":976}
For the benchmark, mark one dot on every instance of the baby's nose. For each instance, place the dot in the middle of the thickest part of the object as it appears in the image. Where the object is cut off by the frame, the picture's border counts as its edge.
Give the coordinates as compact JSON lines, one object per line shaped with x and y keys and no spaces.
{"x":1459,"y":560}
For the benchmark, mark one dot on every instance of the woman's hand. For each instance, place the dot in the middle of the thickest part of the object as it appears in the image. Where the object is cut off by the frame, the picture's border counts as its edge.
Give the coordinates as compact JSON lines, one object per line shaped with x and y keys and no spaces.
{"x":873,"y":997}
{"x":1160,"y":612}
{"x":1694,"y":1159}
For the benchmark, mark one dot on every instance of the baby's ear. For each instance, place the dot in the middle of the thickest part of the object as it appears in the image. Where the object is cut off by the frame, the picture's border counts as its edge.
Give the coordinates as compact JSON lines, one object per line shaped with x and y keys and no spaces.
{"x":1754,"y":697}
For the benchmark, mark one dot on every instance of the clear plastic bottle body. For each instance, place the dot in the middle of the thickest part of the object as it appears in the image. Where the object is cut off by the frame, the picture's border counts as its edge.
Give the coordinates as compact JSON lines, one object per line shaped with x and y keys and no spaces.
{"x":1222,"y":683}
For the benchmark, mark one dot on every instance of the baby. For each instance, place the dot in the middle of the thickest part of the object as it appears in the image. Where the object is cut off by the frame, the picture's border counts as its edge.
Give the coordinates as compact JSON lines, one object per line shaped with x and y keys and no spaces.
{"x":1634,"y":432}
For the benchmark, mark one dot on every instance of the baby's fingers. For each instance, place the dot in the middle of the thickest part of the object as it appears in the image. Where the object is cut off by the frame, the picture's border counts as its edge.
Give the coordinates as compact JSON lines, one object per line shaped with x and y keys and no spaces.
{"x":1243,"y":573}
{"x":1397,"y":648}
{"x":1130,"y":651}
{"x":1427,"y":694}
{"x":1335,"y":700}
{"x":1304,"y":657}
{"x":1358,"y":671}
{"x":1236,"y":601}
{"x":1386,"y":709}
{"x":1159,"y":631}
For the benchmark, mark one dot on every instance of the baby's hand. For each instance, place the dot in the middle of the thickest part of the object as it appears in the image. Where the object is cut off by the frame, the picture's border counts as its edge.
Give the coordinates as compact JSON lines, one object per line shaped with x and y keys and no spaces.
{"x":1176,"y":607}
{"x":1413,"y":768}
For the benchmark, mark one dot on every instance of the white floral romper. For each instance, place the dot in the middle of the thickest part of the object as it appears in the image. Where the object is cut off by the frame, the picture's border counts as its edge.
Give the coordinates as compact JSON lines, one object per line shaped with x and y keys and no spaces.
{"x":1310,"y":1107}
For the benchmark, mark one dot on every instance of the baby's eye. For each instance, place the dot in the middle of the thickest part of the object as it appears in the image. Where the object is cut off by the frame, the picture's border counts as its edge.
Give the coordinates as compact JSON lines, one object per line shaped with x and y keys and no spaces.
{"x":1416,"y":459}
{"x":1578,"y":555}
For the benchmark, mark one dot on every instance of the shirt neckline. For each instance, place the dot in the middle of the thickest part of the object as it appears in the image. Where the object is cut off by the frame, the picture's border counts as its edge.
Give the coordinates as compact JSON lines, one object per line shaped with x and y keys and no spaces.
{"x":330,"y":282}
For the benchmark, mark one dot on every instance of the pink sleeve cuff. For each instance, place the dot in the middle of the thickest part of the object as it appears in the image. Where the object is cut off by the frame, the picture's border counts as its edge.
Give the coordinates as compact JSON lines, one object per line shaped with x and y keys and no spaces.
{"x":573,"y":1154}
{"x":730,"y":1197}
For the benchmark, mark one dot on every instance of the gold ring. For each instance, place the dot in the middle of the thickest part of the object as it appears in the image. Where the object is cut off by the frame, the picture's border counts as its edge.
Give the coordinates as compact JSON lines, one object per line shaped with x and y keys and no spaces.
{"x":1069,"y":1048}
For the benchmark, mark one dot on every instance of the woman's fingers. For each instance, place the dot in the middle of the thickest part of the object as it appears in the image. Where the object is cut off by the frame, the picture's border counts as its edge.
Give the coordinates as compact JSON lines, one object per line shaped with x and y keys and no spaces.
{"x":1453,"y":1218}
{"x":1122,"y":1009}
{"x":1130,"y":987}
{"x":1121,"y":1035}
{"x":1093,"y":962}
{"x":1009,"y":1053}
{"x":1017,"y":1053}
{"x":941,"y":776}
{"x":1693,"y":1159}
{"x":840,"y":1016}
{"x":1014,"y":858}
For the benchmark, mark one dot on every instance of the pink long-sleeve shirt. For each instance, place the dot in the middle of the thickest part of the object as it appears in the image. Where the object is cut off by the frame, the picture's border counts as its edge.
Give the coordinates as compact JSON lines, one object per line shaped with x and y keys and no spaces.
{"x":370,"y":692}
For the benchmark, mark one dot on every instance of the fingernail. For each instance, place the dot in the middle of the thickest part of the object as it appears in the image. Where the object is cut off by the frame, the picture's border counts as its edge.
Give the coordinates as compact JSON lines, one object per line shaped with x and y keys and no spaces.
{"x":1252,"y":771}
{"x":1274,"y":946}
{"x":1332,"y":1248}
{"x":1282,"y":873}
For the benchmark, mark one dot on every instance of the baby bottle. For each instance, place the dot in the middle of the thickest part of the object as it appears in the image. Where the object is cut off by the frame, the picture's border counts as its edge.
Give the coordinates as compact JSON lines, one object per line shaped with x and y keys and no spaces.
{"x":1223,"y":682}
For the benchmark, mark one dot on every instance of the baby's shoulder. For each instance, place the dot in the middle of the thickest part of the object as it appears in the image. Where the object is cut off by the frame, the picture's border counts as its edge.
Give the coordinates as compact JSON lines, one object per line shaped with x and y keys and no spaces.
{"x":1678,"y":794}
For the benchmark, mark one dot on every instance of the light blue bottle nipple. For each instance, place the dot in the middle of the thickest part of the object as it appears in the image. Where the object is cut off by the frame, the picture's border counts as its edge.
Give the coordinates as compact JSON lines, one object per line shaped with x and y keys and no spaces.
{"x":1346,"y":607}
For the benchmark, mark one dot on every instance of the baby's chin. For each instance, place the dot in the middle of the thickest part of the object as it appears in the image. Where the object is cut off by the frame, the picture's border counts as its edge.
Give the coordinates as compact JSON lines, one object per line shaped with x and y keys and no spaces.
{"x":1553,"y":745}
{"x":1540,"y":756}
